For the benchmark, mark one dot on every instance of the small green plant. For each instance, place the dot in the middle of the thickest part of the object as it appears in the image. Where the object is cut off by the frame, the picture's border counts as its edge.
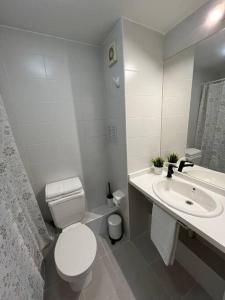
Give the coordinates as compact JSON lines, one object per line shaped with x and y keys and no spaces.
{"x":172,"y":158}
{"x":158,"y":162}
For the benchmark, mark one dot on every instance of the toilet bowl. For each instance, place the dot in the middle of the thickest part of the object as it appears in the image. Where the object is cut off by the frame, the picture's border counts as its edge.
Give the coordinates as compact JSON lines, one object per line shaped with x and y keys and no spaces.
{"x":75,"y":252}
{"x":76,"y":247}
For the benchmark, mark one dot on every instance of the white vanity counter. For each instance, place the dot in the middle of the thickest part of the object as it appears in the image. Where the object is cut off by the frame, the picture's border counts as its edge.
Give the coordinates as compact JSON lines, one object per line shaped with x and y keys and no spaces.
{"x":212,"y":177}
{"x":212,"y":229}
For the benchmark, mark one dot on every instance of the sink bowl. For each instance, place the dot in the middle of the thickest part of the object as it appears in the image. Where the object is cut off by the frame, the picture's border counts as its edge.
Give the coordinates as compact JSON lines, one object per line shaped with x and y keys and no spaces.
{"x":209,"y":176}
{"x":187,"y":198}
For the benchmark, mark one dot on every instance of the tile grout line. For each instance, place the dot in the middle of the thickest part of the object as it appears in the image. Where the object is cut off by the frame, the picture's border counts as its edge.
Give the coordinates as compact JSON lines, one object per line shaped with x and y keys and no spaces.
{"x":153,"y":271}
{"x":123,"y":280}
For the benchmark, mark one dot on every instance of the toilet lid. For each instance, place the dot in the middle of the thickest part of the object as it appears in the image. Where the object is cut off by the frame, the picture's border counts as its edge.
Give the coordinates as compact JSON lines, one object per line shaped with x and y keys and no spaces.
{"x":75,"y":250}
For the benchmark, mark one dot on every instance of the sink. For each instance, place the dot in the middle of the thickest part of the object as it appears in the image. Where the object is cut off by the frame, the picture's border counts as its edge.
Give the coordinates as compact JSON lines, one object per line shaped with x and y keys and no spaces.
{"x":209,"y":176}
{"x":187,"y":198}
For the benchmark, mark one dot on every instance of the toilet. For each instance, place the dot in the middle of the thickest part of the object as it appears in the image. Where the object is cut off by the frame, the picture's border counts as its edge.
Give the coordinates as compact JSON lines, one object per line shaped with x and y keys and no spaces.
{"x":194,"y":155}
{"x":76,"y":247}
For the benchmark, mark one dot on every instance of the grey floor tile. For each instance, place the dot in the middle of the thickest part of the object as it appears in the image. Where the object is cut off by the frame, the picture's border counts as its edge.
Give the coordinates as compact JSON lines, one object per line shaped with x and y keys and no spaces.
{"x":101,"y":287}
{"x":114,"y":297}
{"x":62,"y":291}
{"x":197,"y":293}
{"x":108,"y":246}
{"x":123,"y":290}
{"x":139,"y":276}
{"x":175,"y":279}
{"x":101,"y":251}
{"x":51,"y":275}
{"x":145,"y":246}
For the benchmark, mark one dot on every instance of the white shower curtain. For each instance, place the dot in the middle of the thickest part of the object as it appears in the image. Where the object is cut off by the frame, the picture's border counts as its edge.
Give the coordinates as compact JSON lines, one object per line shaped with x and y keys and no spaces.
{"x":210,"y":133}
{"x":23,"y":233}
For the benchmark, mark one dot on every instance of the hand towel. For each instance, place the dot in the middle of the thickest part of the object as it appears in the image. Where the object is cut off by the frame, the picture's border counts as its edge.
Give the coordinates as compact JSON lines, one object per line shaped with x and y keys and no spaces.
{"x":164,"y":234}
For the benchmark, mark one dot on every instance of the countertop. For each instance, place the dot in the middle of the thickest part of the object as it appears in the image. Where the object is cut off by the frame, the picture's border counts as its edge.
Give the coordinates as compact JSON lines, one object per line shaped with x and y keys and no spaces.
{"x":212,"y":229}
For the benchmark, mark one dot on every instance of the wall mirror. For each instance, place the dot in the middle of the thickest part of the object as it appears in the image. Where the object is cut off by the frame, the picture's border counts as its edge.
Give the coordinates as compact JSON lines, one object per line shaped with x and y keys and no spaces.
{"x":193,"y":117}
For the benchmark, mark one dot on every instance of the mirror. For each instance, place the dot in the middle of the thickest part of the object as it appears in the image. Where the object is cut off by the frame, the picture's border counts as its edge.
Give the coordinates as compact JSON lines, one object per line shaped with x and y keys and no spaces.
{"x":193,"y":113}
{"x":206,"y":128}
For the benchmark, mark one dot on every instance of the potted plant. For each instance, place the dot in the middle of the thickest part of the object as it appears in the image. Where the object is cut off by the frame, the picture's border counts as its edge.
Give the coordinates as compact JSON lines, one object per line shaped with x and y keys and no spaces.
{"x":172,"y":158}
{"x":158,"y":165}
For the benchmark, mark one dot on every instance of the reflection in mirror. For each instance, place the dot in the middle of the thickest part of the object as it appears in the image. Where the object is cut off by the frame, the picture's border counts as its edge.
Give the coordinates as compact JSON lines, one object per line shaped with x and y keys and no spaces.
{"x":193,"y":109}
{"x":206,"y":128}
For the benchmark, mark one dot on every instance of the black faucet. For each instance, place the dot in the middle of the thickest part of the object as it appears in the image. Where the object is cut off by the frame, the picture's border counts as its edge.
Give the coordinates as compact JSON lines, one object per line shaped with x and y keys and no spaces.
{"x":170,"y":170}
{"x":185,"y":163}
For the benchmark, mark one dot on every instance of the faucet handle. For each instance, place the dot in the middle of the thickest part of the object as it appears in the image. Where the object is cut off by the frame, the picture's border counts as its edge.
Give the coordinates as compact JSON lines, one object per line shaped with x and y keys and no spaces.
{"x":170,"y":170}
{"x":185,"y":163}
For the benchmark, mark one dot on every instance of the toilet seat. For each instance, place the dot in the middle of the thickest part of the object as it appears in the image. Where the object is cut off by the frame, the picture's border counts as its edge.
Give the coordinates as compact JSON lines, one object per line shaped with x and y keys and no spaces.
{"x":75,"y":251}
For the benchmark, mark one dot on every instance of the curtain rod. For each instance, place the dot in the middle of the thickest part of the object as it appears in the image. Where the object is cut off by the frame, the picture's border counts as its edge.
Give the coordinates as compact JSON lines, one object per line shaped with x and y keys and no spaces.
{"x":214,"y":81}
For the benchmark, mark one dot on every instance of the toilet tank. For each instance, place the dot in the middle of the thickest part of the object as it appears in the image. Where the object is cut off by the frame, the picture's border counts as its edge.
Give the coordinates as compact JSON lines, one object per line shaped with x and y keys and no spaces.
{"x":194,"y":155}
{"x":67,"y":210}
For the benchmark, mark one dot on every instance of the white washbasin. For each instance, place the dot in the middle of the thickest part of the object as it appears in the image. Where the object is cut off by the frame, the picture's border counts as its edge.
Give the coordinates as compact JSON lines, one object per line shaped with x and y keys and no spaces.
{"x":187,"y":198}
{"x":209,"y":176}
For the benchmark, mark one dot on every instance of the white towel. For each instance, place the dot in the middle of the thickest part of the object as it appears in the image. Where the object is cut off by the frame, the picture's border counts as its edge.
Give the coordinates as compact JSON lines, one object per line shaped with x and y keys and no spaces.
{"x":164,"y":234}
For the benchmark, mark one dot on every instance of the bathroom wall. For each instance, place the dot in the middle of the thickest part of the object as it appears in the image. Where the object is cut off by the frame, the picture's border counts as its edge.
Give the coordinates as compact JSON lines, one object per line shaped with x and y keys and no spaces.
{"x":143,"y":59}
{"x":52,"y":89}
{"x":116,"y":123}
{"x":143,"y":55}
{"x":193,"y":29}
{"x":177,"y":86}
{"x":86,"y":71}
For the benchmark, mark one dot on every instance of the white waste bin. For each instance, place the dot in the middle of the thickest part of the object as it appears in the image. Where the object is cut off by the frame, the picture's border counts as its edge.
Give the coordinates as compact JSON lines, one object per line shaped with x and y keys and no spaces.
{"x":115,"y":227}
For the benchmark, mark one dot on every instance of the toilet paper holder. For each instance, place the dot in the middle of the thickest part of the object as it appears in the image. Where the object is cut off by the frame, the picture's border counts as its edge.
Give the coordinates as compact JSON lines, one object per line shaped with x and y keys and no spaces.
{"x":117,"y":197}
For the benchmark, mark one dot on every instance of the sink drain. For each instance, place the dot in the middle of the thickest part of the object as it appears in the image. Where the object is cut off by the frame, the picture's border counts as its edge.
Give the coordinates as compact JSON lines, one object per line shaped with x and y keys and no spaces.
{"x":189,"y":202}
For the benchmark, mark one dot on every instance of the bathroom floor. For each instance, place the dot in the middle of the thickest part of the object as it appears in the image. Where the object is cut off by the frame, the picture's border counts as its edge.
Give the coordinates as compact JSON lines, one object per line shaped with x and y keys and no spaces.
{"x":128,"y":270}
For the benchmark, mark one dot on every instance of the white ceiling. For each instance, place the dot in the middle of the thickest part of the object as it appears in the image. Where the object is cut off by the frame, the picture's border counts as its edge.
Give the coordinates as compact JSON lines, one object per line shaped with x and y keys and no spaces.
{"x":90,"y":20}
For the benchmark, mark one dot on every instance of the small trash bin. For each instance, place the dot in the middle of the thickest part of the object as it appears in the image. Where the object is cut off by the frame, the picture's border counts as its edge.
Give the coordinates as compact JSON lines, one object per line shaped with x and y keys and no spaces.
{"x":115,"y":228}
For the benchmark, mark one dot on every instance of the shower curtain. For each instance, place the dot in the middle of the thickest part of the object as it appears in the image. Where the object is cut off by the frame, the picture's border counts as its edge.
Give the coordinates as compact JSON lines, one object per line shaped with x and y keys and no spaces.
{"x":210,"y":133}
{"x":23,"y":234}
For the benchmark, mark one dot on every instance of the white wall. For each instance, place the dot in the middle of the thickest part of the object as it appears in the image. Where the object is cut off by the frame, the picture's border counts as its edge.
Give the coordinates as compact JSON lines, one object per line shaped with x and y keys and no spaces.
{"x":192,"y":30}
{"x":143,"y":54}
{"x":115,"y":112}
{"x":178,"y":73}
{"x":90,"y":109}
{"x":52,"y":92}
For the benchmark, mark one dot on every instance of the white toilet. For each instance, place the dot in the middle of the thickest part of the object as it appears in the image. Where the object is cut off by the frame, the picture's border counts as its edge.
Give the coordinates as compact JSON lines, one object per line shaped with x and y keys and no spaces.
{"x":76,"y":247}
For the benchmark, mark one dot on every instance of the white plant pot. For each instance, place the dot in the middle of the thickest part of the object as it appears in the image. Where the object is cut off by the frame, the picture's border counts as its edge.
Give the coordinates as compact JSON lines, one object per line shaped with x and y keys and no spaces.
{"x":158,"y":171}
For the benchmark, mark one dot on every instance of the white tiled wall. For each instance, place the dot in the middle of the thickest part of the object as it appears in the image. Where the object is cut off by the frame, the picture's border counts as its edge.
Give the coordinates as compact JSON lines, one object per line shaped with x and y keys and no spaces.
{"x":90,"y":108}
{"x":115,"y":112}
{"x":177,"y":85}
{"x":53,"y":93}
{"x":143,"y":52}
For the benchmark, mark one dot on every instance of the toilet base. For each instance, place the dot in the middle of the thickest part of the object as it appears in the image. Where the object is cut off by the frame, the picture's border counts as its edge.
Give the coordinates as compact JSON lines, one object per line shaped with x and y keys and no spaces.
{"x":81,"y":283}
